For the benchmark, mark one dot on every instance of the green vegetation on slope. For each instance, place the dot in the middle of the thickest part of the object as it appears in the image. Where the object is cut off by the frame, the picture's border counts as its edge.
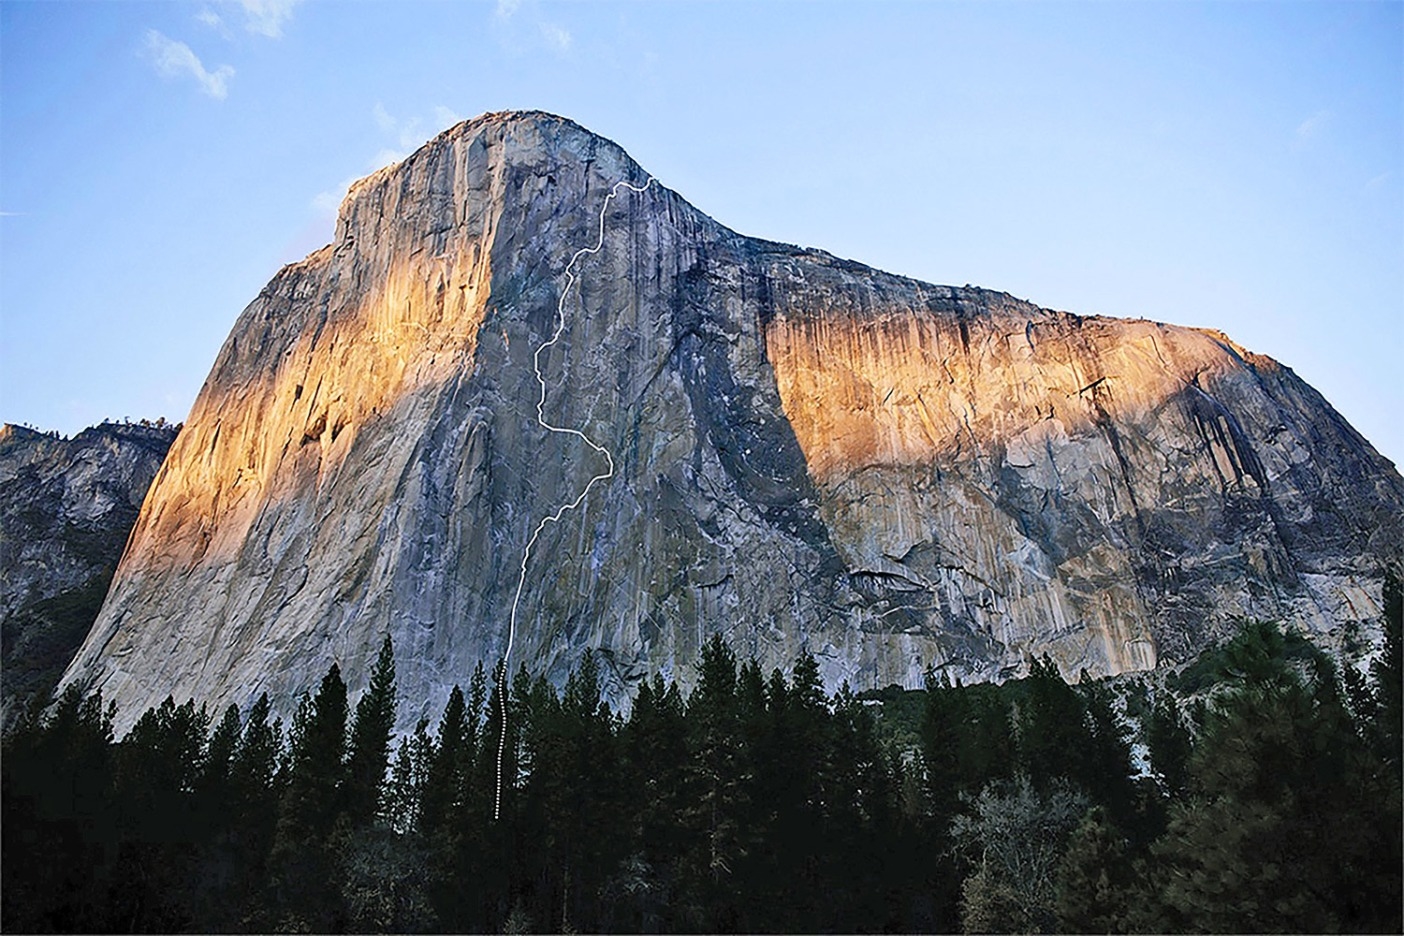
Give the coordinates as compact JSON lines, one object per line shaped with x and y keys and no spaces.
{"x":38,"y":641}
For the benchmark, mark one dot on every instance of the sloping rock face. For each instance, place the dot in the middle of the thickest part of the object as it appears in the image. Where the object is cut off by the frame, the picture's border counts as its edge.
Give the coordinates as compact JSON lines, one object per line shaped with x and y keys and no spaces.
{"x":66,"y":509}
{"x":808,"y":453}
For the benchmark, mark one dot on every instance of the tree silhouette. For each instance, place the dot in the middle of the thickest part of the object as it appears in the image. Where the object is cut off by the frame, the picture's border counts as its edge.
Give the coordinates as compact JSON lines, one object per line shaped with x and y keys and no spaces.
{"x":756,"y":804}
{"x":368,"y":757}
{"x":305,"y":887}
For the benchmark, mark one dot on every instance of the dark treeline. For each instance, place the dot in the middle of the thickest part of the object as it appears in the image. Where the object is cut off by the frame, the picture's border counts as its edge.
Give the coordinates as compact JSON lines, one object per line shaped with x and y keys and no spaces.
{"x":757,"y":803}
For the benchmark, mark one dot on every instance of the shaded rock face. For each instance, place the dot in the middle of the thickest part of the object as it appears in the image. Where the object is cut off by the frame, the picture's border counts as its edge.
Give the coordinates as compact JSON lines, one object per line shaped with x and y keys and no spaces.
{"x":809,"y":454}
{"x":66,"y":509}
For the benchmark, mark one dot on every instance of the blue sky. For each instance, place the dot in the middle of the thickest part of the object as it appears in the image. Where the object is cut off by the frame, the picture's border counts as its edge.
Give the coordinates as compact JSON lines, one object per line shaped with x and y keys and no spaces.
{"x":1237,"y":166}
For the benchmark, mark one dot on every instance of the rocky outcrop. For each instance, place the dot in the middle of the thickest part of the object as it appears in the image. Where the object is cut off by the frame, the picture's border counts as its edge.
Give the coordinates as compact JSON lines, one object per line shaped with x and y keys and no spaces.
{"x":66,"y":509}
{"x":808,"y":453}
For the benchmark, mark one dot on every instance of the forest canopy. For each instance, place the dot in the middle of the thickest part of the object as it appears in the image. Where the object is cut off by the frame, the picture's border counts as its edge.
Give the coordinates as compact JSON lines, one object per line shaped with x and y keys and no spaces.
{"x":1269,"y":802}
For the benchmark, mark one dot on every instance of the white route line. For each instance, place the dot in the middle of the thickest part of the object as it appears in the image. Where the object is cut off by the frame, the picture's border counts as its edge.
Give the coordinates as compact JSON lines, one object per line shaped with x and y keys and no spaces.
{"x":561,"y":511}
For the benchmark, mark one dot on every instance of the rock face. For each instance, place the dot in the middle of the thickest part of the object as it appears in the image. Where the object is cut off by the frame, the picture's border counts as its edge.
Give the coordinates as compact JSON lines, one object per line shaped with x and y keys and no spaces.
{"x":66,"y":509}
{"x":808,"y":453}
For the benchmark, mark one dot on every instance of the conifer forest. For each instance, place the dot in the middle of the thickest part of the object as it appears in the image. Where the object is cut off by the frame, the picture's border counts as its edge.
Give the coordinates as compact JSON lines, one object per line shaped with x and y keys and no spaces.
{"x":1257,"y":789}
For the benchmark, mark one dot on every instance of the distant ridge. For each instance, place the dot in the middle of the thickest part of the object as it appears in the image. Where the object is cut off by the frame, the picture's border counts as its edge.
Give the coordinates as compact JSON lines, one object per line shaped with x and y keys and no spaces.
{"x":67,"y":506}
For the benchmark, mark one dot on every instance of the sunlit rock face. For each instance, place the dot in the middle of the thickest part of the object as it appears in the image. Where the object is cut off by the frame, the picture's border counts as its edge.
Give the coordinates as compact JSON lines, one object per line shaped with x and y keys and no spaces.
{"x":809,"y":454}
{"x":1113,"y":492}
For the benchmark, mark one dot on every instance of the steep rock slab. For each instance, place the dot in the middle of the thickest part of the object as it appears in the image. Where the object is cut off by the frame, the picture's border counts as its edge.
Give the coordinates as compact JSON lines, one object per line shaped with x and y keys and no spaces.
{"x":1108,"y":490}
{"x":810,"y":453}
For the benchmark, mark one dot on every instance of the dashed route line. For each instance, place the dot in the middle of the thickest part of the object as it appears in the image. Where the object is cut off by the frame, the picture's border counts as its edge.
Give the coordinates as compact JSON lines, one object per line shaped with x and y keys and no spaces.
{"x":564,"y":508}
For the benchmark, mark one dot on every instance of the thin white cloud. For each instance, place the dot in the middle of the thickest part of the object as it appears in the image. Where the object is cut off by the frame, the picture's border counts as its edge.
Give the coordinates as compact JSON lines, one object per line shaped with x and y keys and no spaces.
{"x":266,"y":17}
{"x":383,"y":120}
{"x":174,"y":59}
{"x":445,"y":117}
{"x":210,"y":18}
{"x":1313,"y":125}
{"x":386,"y":156}
{"x":409,"y":134}
{"x":510,"y":34}
{"x":326,"y":203}
{"x":1379,"y":180}
{"x":405,"y":136}
{"x":557,"y":37}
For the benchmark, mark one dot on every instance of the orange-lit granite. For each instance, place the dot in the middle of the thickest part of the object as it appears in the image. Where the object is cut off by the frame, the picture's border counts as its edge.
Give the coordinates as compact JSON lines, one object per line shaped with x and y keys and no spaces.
{"x":913,"y":423}
{"x":809,"y":454}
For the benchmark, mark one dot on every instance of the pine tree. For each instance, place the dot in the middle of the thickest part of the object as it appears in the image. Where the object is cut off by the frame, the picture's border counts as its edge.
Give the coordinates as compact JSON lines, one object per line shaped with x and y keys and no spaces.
{"x":575,"y":785}
{"x":655,"y":755}
{"x":656,"y":748}
{"x":471,"y":855}
{"x":750,"y":693}
{"x":214,"y":827}
{"x":254,"y":766}
{"x":1285,"y":826}
{"x":256,"y":789}
{"x":159,"y":767}
{"x":443,"y":760}
{"x":861,"y":831}
{"x":1052,"y":730}
{"x":452,"y":754}
{"x":306,"y":890}
{"x":58,"y":819}
{"x":318,"y":768}
{"x":1169,"y":742}
{"x":219,"y":758}
{"x":1105,"y":764}
{"x":369,"y":754}
{"x":407,"y":779}
{"x":1094,"y":882}
{"x":717,"y":797}
{"x":944,"y":721}
{"x":796,"y":784}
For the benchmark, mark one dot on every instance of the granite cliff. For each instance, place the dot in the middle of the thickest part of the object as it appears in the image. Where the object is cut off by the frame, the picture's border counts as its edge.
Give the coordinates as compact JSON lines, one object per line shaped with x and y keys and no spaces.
{"x":808,"y":453}
{"x":66,"y":509}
